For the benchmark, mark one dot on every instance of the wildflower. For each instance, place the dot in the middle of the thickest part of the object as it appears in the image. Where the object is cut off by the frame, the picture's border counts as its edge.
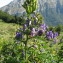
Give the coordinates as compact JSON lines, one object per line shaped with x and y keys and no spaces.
{"x":43,"y":27}
{"x":40,"y":32}
{"x":49,"y":35}
{"x":18,"y":35}
{"x":55,"y":34}
{"x":33,"y":32}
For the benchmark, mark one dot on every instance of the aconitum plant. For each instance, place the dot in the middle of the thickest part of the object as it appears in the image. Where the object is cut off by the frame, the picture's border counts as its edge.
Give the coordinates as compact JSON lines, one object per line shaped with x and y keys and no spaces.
{"x":32,"y":28}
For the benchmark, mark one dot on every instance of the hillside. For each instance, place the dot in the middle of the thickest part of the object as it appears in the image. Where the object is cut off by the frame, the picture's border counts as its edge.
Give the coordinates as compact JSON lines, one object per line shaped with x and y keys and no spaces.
{"x":7,"y":31}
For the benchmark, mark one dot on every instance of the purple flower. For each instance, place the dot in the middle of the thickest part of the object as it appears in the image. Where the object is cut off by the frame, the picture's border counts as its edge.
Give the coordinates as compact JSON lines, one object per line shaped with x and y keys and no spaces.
{"x":49,"y":35}
{"x":40,"y":32}
{"x":33,"y":32}
{"x":43,"y":27}
{"x":18,"y":35}
{"x":55,"y":34}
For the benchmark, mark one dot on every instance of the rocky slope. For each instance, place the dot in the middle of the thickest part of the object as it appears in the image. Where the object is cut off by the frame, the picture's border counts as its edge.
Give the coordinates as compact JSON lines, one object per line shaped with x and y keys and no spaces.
{"x":14,"y":7}
{"x":52,"y":10}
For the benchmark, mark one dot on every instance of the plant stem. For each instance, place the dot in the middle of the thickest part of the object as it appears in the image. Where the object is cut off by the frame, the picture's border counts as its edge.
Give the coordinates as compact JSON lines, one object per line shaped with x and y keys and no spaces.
{"x":26,"y":48}
{"x":25,"y":51}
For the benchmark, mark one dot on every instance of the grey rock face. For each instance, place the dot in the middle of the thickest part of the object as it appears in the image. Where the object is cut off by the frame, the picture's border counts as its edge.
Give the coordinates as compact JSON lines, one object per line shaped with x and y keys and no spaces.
{"x":52,"y":10}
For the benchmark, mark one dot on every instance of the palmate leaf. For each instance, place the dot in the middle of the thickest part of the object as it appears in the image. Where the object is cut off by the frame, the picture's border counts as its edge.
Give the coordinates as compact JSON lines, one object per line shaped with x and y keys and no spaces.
{"x":30,"y":6}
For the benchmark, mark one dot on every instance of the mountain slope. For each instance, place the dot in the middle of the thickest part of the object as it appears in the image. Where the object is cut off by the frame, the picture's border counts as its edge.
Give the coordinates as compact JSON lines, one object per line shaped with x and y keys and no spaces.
{"x":14,"y":7}
{"x":52,"y":10}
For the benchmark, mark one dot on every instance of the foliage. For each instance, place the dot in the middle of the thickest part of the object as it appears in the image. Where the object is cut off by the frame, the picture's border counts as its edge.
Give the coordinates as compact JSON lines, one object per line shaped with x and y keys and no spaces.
{"x":6,"y":17}
{"x":58,"y":29}
{"x":11,"y":19}
{"x":60,"y":53}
